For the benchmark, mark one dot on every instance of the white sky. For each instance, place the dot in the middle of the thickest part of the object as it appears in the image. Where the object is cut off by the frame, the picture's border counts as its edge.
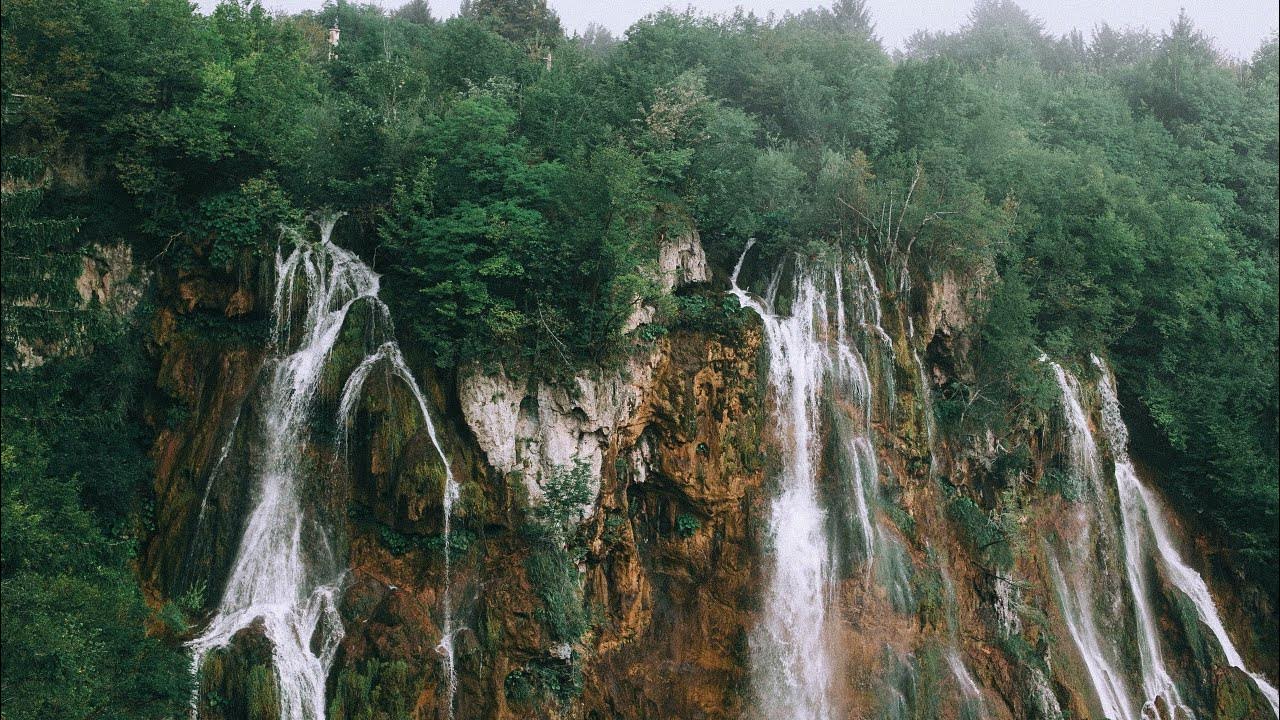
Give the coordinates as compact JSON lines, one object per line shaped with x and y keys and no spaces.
{"x":1237,"y":26}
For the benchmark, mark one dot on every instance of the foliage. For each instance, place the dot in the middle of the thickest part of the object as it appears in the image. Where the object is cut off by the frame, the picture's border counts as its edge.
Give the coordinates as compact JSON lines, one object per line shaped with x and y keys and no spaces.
{"x":516,"y":20}
{"x":687,"y":525}
{"x":556,"y":550}
{"x":375,"y":690}
{"x":544,"y":678}
{"x":1064,"y":482}
{"x":1116,"y":194}
{"x":74,"y":618}
{"x":989,"y":540}
{"x":39,"y":315}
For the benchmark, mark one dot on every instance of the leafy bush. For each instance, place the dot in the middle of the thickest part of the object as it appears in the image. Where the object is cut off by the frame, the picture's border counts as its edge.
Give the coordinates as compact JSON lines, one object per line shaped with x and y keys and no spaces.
{"x":687,"y":525}
{"x":983,"y":536}
{"x":544,"y":678}
{"x":556,"y":550}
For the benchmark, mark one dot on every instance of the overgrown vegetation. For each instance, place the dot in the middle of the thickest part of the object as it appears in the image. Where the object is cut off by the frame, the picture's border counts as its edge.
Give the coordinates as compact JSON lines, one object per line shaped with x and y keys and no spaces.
{"x":687,"y":525}
{"x":544,"y":679}
{"x":992,"y":539}
{"x":74,"y":473}
{"x":1113,"y":194}
{"x":376,"y":690}
{"x":555,"y":551}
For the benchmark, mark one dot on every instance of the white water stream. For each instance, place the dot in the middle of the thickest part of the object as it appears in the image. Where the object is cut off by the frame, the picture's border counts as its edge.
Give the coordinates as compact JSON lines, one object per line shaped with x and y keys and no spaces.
{"x":1096,"y":635}
{"x":1144,"y":520}
{"x":809,"y":356}
{"x":286,"y":573}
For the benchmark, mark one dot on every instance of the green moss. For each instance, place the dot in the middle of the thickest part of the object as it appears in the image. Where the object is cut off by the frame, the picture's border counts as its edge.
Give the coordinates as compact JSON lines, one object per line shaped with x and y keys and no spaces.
{"x":376,"y":690}
{"x":1021,"y":652}
{"x":473,"y":503}
{"x":898,"y":514}
{"x":425,"y":478}
{"x":930,"y":593}
{"x":262,"y":693}
{"x":490,"y":630}
{"x":346,"y":353}
{"x":240,"y":682}
{"x":1064,"y":483}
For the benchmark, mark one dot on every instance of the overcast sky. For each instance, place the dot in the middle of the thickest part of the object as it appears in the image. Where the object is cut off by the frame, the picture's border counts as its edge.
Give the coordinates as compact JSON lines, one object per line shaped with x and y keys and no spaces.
{"x":1238,"y":26}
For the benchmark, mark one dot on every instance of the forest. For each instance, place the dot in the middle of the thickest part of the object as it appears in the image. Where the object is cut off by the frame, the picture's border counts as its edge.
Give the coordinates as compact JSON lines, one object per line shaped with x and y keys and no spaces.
{"x":1110,"y":191}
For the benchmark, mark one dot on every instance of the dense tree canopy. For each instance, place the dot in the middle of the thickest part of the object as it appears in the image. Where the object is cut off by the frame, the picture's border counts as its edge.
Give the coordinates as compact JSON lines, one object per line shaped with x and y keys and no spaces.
{"x":1119,"y":192}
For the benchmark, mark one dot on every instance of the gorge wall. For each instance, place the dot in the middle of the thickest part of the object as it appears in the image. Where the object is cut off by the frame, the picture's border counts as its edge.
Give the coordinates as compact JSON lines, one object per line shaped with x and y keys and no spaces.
{"x":942,"y":589}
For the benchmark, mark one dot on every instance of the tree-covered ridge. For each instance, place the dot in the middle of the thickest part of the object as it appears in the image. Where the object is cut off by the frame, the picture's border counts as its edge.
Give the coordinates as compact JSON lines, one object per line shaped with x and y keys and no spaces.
{"x":1114,"y":193}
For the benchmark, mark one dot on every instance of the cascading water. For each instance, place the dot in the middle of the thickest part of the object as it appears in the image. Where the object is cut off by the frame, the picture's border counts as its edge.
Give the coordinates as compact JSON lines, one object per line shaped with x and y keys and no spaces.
{"x":791,"y":648}
{"x":389,"y":353}
{"x":853,"y":380}
{"x":1144,"y":518}
{"x":792,"y":661}
{"x":926,"y":387}
{"x":1141,"y":521}
{"x":1078,"y":586}
{"x":869,"y":309}
{"x":971,"y":692}
{"x":286,"y":574}
{"x":1077,"y":609}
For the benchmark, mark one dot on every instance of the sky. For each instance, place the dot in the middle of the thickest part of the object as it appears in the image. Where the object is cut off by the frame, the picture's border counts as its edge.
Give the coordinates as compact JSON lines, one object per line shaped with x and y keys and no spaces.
{"x":1237,"y":26}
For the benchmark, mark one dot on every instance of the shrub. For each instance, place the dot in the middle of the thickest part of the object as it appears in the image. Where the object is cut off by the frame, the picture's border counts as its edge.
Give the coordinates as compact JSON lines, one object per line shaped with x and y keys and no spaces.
{"x":556,"y":550}
{"x":687,"y":525}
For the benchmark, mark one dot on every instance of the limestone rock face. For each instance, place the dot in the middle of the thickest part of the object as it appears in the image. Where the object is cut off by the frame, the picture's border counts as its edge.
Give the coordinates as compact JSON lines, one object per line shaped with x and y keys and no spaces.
{"x":672,"y":437}
{"x":538,"y":428}
{"x":682,"y":261}
{"x":672,"y":559}
{"x":108,"y":278}
{"x":491,"y":407}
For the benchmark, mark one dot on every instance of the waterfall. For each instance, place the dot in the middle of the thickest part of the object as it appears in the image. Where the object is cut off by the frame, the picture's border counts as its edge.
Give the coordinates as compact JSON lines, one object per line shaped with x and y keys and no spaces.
{"x":1080,"y":610}
{"x":286,"y":573}
{"x":926,"y":402}
{"x":389,"y":353}
{"x":970,"y":691}
{"x":968,"y":685}
{"x":873,"y":317}
{"x":1141,"y":521}
{"x":1077,"y":609}
{"x":791,"y":658}
{"x":869,"y":309}
{"x":1144,"y":518}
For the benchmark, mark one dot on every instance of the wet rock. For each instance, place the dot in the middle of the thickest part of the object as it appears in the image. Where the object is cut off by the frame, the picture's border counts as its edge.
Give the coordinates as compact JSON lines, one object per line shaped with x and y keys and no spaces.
{"x":237,"y":682}
{"x":1236,"y":697}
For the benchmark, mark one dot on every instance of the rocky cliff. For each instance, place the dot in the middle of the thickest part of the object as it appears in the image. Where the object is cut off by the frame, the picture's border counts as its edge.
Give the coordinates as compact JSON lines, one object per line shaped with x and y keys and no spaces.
{"x":661,"y":570}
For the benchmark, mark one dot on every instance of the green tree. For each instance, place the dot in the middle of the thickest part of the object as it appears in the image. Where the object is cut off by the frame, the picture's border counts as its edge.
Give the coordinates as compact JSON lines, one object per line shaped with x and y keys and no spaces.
{"x":520,"y":21}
